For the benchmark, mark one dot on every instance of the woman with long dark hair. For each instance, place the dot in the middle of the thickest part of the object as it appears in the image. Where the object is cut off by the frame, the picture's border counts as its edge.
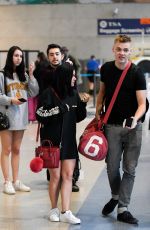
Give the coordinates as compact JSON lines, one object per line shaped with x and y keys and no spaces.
{"x":15,"y":87}
{"x":66,"y":106}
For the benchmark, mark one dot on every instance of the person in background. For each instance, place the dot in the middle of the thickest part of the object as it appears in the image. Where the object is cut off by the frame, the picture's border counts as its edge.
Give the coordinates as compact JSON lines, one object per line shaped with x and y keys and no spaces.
{"x":18,"y":85}
{"x":40,"y":64}
{"x":41,"y":59}
{"x":124,"y":127}
{"x":75,"y":62}
{"x":61,"y":130}
{"x":92,"y":67}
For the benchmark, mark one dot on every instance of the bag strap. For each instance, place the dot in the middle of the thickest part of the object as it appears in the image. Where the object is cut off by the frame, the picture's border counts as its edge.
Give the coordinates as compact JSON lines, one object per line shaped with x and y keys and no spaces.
{"x":54,"y":92}
{"x":38,"y":132}
{"x":116,"y":92}
{"x":5,"y":85}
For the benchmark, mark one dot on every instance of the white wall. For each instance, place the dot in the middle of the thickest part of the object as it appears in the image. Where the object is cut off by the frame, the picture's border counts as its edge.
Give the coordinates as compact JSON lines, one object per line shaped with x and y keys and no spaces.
{"x":72,"y":25}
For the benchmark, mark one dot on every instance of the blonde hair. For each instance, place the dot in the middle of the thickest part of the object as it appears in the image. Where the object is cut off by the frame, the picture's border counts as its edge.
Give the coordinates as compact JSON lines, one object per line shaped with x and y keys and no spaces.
{"x":122,"y":38}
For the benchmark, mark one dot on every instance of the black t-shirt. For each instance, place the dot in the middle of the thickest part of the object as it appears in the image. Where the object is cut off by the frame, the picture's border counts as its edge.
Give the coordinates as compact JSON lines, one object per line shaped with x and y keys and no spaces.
{"x":45,"y":78}
{"x":126,"y":103}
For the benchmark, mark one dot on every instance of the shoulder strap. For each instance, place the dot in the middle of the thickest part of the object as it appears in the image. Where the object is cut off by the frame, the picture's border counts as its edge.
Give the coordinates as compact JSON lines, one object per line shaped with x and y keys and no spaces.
{"x":38,"y":132}
{"x":116,"y":92}
{"x":5,"y":85}
{"x":54,"y":92}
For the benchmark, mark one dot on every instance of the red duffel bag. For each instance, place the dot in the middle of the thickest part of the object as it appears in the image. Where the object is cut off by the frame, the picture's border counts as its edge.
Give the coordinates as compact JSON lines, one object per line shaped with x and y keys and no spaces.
{"x":93,"y":143}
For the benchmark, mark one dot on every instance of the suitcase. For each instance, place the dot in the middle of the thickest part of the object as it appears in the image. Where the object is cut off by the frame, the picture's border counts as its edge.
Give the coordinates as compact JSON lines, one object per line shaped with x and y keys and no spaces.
{"x":32,"y":105}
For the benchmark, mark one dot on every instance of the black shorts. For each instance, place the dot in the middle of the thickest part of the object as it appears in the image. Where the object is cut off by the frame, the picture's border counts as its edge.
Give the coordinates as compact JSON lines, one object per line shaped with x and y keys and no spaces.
{"x":91,"y":78}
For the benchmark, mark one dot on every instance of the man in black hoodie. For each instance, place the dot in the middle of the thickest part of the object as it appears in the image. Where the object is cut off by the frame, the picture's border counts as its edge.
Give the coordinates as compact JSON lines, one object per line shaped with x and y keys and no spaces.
{"x":56,"y":57}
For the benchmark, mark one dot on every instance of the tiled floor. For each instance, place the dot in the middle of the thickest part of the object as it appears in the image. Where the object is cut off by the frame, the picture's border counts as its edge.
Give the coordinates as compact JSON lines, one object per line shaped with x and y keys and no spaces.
{"x":29,"y":211}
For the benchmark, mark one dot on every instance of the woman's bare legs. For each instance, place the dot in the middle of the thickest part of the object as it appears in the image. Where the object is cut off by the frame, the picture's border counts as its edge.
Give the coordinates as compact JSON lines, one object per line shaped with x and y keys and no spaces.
{"x":15,"y":151}
{"x":10,"y":141}
{"x":6,"y":140}
{"x":54,"y":186}
{"x":67,"y":169}
{"x":62,"y":180}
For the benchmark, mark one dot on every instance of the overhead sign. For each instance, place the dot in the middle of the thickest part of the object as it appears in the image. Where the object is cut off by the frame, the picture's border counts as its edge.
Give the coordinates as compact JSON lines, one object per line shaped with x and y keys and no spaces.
{"x":123,"y":26}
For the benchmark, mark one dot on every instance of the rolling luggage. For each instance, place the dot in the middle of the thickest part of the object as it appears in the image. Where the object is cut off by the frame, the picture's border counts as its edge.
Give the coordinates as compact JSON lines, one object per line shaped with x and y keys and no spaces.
{"x":32,"y":105}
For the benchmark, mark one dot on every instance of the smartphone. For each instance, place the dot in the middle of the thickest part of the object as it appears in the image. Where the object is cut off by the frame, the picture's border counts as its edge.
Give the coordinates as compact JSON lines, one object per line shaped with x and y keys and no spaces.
{"x":128,"y":122}
{"x":22,"y":99}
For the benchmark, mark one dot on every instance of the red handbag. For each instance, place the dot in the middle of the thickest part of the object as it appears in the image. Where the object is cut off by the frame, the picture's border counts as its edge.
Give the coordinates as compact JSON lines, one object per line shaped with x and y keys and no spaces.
{"x":49,"y":154}
{"x":93,"y":143}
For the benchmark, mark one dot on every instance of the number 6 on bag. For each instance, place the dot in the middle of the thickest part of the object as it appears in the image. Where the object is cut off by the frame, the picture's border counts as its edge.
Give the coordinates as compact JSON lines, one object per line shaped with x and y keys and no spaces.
{"x":93,"y":145}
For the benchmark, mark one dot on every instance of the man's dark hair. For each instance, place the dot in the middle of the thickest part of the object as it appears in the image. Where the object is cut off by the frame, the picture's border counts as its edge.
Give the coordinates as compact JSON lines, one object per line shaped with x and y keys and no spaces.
{"x":52,"y":46}
{"x":92,"y":56}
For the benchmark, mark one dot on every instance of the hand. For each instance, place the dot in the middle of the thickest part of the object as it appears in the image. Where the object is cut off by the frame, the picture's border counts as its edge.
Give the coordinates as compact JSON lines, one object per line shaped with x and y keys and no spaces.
{"x":84,"y":97}
{"x":98,"y":111}
{"x":64,"y":108}
{"x":31,"y":69}
{"x":69,"y":61}
{"x":130,"y":123}
{"x":15,"y":101}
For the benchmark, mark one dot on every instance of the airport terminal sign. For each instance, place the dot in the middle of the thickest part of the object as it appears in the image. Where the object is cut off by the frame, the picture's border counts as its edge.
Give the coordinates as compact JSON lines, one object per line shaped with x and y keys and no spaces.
{"x":123,"y":26}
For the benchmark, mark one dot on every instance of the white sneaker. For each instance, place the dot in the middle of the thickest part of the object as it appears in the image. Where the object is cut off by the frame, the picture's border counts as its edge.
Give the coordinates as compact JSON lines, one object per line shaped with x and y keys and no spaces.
{"x":19,"y":186}
{"x":68,"y":217}
{"x":8,"y":188}
{"x":54,"y":215}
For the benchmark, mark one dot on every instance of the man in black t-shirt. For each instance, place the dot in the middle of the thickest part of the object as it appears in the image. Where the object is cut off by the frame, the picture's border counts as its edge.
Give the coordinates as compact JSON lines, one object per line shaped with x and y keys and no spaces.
{"x":124,"y":127}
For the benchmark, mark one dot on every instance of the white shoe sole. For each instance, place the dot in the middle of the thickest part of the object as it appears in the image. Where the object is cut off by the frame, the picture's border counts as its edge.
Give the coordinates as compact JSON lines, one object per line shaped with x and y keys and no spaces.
{"x":9,"y":193}
{"x":69,"y":222}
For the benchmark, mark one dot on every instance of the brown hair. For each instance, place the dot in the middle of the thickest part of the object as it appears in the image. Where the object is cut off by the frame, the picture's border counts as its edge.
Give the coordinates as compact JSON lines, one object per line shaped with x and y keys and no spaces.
{"x":122,"y":38}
